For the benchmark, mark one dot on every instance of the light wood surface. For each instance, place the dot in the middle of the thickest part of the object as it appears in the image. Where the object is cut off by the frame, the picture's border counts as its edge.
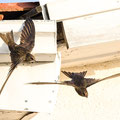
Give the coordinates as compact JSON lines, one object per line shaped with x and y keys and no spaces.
{"x":93,"y":29}
{"x":66,"y":9}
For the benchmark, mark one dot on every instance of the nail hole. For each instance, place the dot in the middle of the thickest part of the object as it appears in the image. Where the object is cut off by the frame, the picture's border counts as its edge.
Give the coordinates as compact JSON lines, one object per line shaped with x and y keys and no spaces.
{"x":26,"y":101}
{"x":26,"y":109}
{"x":50,"y":101}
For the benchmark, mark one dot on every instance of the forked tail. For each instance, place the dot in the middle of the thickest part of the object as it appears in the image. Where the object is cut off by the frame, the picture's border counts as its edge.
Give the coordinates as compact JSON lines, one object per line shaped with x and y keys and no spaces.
{"x":13,"y":66}
{"x":69,"y":83}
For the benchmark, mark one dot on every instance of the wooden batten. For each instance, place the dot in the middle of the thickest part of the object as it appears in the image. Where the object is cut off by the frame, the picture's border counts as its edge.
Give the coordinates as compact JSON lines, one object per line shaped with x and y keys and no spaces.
{"x":66,"y":9}
{"x":45,"y":40}
{"x":93,"y":29}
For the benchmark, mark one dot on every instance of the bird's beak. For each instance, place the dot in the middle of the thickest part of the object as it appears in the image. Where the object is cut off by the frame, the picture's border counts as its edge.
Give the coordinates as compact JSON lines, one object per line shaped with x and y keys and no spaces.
{"x":86,"y":96}
{"x":86,"y":93}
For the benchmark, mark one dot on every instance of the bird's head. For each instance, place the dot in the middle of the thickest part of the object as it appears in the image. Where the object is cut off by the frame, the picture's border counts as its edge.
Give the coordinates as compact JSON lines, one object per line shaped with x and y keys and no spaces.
{"x":82,"y":92}
{"x":85,"y":93}
{"x":30,"y":58}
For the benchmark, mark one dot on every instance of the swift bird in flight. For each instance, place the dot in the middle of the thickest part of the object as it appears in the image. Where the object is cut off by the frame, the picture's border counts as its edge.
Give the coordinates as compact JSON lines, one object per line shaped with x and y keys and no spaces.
{"x":21,"y":52}
{"x":79,"y":82}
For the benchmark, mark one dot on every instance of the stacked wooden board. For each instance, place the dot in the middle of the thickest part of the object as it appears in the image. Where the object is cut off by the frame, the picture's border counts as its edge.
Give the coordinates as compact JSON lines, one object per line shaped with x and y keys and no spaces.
{"x":91,"y":30}
{"x":67,"y":9}
{"x":104,"y":27}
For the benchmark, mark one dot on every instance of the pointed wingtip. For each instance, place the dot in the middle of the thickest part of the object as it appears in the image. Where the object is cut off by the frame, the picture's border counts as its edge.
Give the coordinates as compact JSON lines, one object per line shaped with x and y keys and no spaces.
{"x":64,"y":72}
{"x":33,"y":83}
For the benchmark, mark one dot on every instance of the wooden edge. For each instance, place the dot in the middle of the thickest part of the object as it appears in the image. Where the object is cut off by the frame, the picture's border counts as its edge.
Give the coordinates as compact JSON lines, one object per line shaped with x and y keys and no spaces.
{"x":85,"y":15}
{"x":28,"y":116}
{"x":64,"y":36}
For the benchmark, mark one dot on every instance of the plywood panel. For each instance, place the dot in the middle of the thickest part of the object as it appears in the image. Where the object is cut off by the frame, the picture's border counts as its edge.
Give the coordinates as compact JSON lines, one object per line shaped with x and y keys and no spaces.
{"x":45,"y":39}
{"x":93,"y":29}
{"x":18,"y":95}
{"x":65,"y":9}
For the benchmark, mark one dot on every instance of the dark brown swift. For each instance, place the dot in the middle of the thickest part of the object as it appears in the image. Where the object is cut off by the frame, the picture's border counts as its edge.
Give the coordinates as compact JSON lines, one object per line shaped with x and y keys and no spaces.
{"x":79,"y":82}
{"x":21,"y":52}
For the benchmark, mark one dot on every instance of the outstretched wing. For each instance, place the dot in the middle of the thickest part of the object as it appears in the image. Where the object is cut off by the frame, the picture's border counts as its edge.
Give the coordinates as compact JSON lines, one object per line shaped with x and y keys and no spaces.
{"x":69,"y":83}
{"x":73,"y":75}
{"x":12,"y":67}
{"x":28,"y":35}
{"x":91,"y":81}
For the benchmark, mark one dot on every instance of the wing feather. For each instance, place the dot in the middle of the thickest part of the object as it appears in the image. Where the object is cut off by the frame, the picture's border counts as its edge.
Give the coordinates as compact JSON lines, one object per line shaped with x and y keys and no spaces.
{"x":72,"y":75}
{"x":28,"y":35}
{"x":13,"y":66}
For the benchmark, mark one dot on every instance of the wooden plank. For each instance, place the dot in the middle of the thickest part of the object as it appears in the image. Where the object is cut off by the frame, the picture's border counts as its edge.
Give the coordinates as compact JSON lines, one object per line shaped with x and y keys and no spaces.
{"x":45,"y":40}
{"x":65,"y":9}
{"x":28,"y":116}
{"x":27,"y":97}
{"x":44,"y":12}
{"x":93,"y":29}
{"x":11,"y":115}
{"x":89,"y":54}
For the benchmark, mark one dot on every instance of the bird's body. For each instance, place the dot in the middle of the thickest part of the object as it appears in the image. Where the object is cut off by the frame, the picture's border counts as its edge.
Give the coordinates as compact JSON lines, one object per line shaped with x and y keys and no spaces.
{"x":79,"y":82}
{"x":21,"y":52}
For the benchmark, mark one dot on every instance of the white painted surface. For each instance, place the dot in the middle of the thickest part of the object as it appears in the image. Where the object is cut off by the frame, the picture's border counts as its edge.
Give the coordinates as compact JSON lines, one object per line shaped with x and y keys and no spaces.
{"x":65,"y":9}
{"x":98,"y":28}
{"x":17,"y":95}
{"x":103,"y":102}
{"x":45,"y":39}
{"x":43,"y":2}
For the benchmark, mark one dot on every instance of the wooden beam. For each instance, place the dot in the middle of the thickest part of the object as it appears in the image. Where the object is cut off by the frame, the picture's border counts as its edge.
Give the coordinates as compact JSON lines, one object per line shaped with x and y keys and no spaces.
{"x":89,"y":54}
{"x":93,"y":29}
{"x":32,"y":12}
{"x":12,"y":114}
{"x":66,"y":9}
